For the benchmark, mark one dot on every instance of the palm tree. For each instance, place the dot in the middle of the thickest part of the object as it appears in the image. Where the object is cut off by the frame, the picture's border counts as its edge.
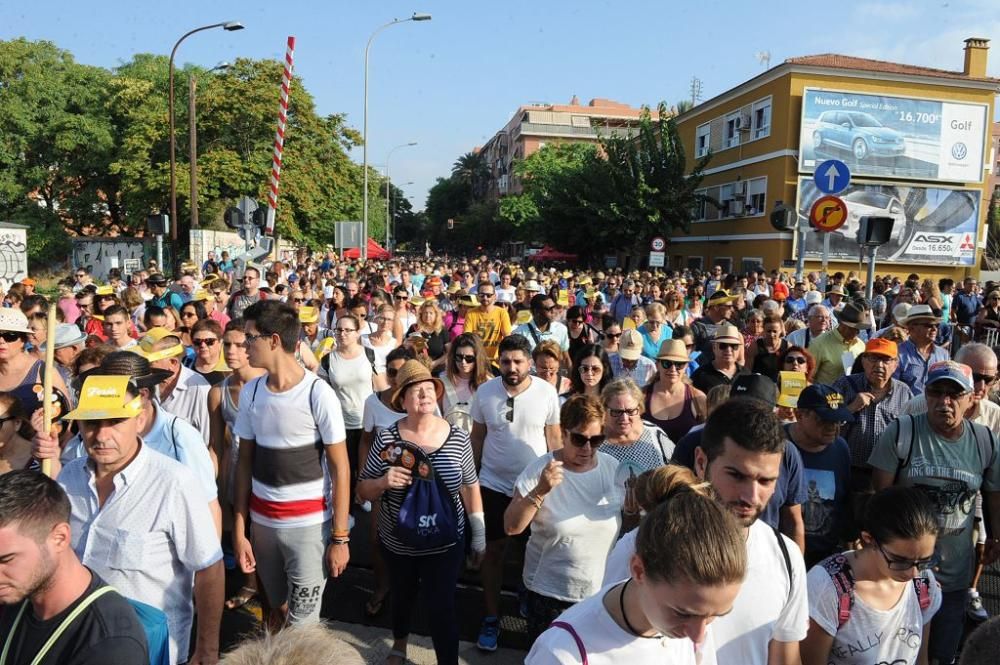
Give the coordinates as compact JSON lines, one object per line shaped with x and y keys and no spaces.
{"x":471,"y":170}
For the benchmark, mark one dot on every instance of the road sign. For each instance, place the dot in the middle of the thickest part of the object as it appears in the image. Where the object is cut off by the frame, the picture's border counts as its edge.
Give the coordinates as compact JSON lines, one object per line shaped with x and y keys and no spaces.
{"x":657,"y":244}
{"x":828,"y":213}
{"x":657,"y":259}
{"x":832,"y":176}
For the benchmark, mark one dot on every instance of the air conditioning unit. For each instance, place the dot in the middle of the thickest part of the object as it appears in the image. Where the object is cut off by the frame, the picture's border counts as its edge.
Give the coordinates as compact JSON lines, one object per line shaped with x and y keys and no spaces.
{"x":743,"y":122}
{"x":736,"y":207}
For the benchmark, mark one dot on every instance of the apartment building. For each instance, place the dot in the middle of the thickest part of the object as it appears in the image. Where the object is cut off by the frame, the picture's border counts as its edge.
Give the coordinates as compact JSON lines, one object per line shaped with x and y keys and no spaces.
{"x":920,"y":143}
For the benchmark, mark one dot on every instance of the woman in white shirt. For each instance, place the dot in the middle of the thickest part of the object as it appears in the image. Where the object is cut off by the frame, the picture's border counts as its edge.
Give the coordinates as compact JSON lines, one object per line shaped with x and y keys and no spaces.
{"x":467,"y":368}
{"x":884,"y":589}
{"x":689,"y":563}
{"x":570,"y":499}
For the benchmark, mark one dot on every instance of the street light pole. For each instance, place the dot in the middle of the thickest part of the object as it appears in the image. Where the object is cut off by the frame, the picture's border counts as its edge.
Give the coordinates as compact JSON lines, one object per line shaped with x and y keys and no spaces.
{"x":229,"y":26}
{"x":387,"y":219}
{"x":364,"y":131}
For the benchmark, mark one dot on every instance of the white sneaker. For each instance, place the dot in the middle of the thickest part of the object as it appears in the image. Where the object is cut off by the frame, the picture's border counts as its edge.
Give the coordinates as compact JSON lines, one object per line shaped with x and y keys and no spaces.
{"x":976,"y":611}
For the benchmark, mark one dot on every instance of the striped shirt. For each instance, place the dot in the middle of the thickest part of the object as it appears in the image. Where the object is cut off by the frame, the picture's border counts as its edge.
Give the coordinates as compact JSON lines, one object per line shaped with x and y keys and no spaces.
{"x":290,"y":482}
{"x":453,"y":464}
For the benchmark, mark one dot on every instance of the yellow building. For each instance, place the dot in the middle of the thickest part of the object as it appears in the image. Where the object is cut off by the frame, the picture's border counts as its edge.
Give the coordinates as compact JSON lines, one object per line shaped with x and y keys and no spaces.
{"x":916,"y":139}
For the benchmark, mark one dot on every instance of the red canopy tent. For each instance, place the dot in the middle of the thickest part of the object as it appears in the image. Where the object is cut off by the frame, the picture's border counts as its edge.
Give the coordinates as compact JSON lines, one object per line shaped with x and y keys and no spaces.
{"x":549,"y":254}
{"x":375,"y":251}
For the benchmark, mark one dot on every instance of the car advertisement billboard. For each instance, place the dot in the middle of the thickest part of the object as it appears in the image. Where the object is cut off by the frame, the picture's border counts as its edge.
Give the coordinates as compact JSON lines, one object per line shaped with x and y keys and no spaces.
{"x":934,"y":225}
{"x":894,"y":137}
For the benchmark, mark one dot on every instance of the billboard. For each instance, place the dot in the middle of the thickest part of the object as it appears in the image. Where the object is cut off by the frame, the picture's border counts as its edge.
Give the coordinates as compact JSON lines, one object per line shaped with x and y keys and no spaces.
{"x":894,"y":137}
{"x":934,"y":225}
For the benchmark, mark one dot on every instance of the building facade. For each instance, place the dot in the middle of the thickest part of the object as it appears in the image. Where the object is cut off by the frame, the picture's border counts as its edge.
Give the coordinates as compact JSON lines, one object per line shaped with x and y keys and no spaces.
{"x":917,"y":141}
{"x":534,"y":126}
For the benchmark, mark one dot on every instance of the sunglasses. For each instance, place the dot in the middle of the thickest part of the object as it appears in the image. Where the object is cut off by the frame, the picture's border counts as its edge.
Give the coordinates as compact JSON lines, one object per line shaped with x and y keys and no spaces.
{"x":11,"y":336}
{"x":465,"y":358}
{"x":798,"y":360}
{"x":204,"y":341}
{"x":581,"y":440}
{"x":483,"y":294}
{"x":576,"y":322}
{"x":731,"y":347}
{"x":985,"y":378}
{"x":510,"y":410}
{"x":901,"y":565}
{"x":678,"y":365}
{"x":612,"y":335}
{"x":299,"y":300}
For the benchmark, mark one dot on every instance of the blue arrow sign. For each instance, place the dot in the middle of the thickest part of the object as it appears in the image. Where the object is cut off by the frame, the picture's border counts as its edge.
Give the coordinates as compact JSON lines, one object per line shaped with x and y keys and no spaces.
{"x":832,"y":176}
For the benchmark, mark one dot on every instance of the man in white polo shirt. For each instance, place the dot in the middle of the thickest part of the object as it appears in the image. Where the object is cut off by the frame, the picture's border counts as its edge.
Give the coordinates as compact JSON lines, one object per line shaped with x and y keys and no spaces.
{"x":140,"y":519}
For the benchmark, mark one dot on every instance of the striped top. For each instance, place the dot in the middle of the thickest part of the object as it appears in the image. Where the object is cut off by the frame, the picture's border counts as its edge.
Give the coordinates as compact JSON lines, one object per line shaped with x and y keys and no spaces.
{"x":290,"y":482}
{"x":452,"y":462}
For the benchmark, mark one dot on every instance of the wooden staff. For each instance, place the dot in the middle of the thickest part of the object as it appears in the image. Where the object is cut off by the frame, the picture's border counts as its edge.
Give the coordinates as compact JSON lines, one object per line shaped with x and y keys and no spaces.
{"x":49,"y":371}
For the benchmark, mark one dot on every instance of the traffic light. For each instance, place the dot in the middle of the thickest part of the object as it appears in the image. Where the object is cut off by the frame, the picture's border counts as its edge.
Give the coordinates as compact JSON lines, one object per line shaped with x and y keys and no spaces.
{"x":259,"y":217}
{"x":783,"y":219}
{"x":233,"y":217}
{"x":874,"y":231}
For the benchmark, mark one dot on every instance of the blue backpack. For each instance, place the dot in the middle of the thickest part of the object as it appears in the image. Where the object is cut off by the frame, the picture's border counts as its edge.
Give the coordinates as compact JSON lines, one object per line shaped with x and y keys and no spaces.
{"x":154,"y":624}
{"x":427,"y":517}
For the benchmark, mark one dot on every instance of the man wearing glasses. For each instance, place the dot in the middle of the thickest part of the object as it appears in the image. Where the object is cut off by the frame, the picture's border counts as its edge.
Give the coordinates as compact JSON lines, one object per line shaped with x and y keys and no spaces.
{"x":718,"y":312}
{"x":949,"y":458}
{"x":919,"y":352}
{"x":819,"y":415}
{"x":543,"y":325}
{"x":818,"y":323}
{"x":82,"y":278}
{"x":490,"y":322}
{"x":248,"y":295}
{"x":723,"y":368}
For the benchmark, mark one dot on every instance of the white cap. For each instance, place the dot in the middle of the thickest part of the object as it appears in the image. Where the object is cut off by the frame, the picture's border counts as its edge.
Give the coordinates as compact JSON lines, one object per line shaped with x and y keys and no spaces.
{"x":814,"y":298}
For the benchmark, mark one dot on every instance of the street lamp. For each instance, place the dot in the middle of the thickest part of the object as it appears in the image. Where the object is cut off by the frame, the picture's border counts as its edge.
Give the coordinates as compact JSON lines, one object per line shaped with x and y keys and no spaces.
{"x":228,"y":26}
{"x":193,"y":140}
{"x":387,"y":216}
{"x":364,"y":132}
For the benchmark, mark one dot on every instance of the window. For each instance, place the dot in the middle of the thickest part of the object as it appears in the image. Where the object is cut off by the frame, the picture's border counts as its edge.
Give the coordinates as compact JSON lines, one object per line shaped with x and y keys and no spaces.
{"x":701,"y":141}
{"x":695,"y":262}
{"x":699,"y":206}
{"x":732,"y":130}
{"x":756,"y":196}
{"x":762,"y":118}
{"x":726,"y":195}
{"x":751,"y":264}
{"x":724,"y":262}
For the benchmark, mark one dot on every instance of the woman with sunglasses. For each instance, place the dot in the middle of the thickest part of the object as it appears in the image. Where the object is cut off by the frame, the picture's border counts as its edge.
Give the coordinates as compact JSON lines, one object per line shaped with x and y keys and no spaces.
{"x":885,"y":588}
{"x":467,"y":368}
{"x":103,"y":297}
{"x":568,"y":547}
{"x":405,"y":317}
{"x":672,"y":403}
{"x":591,"y":371}
{"x":797,"y":359}
{"x":16,"y":433}
{"x":206,"y":337}
{"x":653,"y":330}
{"x":429,"y":324}
{"x":580,"y":333}
{"x":689,"y":563}
{"x":18,"y":368}
{"x":611,"y":334}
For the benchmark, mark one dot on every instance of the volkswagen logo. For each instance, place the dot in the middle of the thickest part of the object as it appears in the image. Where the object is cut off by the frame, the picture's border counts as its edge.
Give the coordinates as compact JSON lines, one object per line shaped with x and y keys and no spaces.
{"x":959,"y":151}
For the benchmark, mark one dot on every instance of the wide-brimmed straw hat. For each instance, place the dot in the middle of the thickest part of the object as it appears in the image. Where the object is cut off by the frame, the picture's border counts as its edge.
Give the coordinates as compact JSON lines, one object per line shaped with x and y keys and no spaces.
{"x":412,"y":372}
{"x":12,"y":319}
{"x":673,"y":349}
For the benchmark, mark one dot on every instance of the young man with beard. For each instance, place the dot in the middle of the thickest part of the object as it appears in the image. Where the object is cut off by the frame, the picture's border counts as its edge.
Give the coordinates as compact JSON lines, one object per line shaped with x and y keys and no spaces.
{"x":42,"y":584}
{"x":515,"y":421}
{"x":740,"y":455}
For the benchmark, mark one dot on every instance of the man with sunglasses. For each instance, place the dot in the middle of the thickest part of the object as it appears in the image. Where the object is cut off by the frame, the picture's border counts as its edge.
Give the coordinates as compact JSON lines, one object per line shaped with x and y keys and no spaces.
{"x":248,"y":295}
{"x":950,"y":458}
{"x":723,"y":368}
{"x":515,"y":421}
{"x":490,"y":322}
{"x":718,"y":312}
{"x":543,"y":325}
{"x":919,"y":352}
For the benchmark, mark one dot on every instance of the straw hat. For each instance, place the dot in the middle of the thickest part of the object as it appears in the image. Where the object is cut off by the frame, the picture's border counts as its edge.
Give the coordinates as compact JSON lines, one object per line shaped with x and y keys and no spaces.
{"x":630,"y":345}
{"x":147,"y":342}
{"x":412,"y":372}
{"x":12,"y":319}
{"x":531,"y":286}
{"x":728,"y":333}
{"x":673,"y":349}
{"x":126,"y":363}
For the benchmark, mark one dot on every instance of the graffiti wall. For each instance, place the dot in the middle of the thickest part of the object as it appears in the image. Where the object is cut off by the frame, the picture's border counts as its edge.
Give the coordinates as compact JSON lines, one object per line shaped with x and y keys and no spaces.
{"x":100,"y":255}
{"x":204,"y":241}
{"x":13,"y":254}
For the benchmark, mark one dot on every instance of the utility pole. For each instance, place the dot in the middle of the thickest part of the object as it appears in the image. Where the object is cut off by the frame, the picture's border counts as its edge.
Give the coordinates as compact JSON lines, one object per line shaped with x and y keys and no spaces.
{"x":695,"y":90}
{"x":193,"y":150}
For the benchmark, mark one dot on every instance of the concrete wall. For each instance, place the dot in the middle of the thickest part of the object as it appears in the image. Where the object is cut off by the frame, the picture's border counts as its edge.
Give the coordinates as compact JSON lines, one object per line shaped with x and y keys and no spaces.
{"x":204,"y":241}
{"x":13,"y":255}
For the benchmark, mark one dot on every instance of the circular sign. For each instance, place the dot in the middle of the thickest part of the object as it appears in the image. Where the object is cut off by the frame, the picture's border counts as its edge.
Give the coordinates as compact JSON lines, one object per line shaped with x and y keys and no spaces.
{"x":829,"y":213}
{"x":657,"y":244}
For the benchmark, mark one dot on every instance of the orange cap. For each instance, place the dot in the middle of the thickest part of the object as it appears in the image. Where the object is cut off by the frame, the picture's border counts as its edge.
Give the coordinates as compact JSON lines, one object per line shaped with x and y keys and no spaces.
{"x":881,"y":346}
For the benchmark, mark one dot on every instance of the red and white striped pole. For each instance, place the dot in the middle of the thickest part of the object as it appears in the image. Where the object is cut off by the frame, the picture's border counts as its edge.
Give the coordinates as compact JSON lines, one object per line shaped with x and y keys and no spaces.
{"x":279,"y":137}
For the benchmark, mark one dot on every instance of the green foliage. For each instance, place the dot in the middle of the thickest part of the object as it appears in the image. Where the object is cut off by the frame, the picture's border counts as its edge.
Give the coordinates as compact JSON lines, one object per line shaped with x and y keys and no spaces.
{"x":85,"y":150}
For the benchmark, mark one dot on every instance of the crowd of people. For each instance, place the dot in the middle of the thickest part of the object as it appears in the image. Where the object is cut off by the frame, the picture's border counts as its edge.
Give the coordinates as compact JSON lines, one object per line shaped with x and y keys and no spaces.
{"x":687,"y":467}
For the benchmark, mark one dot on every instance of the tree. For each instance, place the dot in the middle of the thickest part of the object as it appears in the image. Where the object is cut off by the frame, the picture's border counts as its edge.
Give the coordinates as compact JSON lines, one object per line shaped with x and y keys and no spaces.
{"x":683,"y":106}
{"x":471,"y":170}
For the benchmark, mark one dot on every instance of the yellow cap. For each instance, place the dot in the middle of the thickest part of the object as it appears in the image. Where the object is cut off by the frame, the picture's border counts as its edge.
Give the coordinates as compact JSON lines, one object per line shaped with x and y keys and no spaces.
{"x":308,"y":314}
{"x":106,"y":290}
{"x":563,"y":298}
{"x":200,"y":294}
{"x":150,"y":340}
{"x":206,"y":283}
{"x":524,"y":316}
{"x":628,"y":323}
{"x":105,"y":397}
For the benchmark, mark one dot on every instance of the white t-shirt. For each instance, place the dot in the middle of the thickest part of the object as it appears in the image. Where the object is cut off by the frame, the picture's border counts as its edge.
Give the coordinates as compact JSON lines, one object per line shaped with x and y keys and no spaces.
{"x":871,"y":635}
{"x":763,"y":610}
{"x":377,"y":415}
{"x":510,"y":446}
{"x":574,"y":530}
{"x":352,"y":382}
{"x":381,"y":352}
{"x":606,"y":643}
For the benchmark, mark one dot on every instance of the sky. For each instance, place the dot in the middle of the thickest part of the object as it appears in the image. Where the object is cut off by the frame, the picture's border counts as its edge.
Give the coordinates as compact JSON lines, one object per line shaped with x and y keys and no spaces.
{"x":450,"y":83}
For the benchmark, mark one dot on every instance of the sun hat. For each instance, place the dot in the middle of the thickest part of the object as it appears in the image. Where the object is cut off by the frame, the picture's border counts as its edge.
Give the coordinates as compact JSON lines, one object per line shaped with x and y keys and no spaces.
{"x":126,"y":363}
{"x":201,"y":295}
{"x":411,"y":372}
{"x":67,"y":334}
{"x":531,"y":286}
{"x":28,"y":281}
{"x":882,"y":347}
{"x":12,"y":319}
{"x":836,"y":290}
{"x":721,"y":298}
{"x":147,"y":342}
{"x":949,"y":370}
{"x":208,"y":281}
{"x":921,"y":313}
{"x":813,"y":297}
{"x":105,"y":290}
{"x":826,"y":402}
{"x":104,"y":397}
{"x":469,"y":300}
{"x":673,"y":349}
{"x":156,"y":278}
{"x":754,"y":386}
{"x":308,"y":314}
{"x":454,"y":288}
{"x":630,"y":344}
{"x":901,"y":311}
{"x":852,"y":317}
{"x":728,"y":333}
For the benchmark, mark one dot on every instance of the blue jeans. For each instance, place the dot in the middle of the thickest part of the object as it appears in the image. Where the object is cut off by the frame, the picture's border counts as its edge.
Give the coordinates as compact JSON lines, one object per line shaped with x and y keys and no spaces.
{"x":947,"y":626}
{"x":435,"y":577}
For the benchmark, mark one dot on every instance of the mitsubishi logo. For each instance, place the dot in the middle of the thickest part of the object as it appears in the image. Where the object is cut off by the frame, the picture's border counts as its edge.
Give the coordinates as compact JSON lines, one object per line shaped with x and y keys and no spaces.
{"x":966,"y":242}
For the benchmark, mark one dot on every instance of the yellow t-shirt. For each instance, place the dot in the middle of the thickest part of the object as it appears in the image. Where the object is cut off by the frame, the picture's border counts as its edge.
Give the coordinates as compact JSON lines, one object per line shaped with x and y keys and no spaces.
{"x":491,"y":326}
